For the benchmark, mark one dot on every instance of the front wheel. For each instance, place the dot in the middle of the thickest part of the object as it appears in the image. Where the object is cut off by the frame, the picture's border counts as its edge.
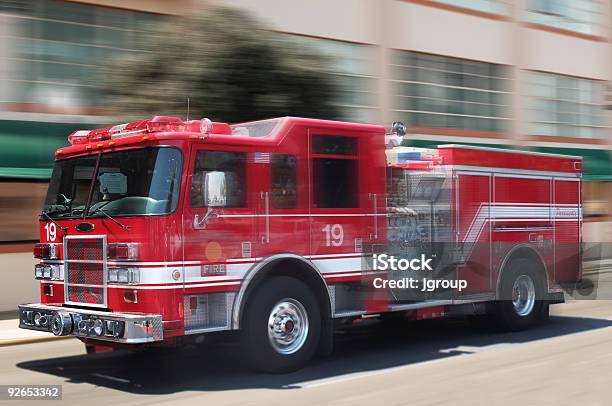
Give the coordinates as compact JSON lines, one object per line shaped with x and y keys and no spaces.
{"x":281,"y":326}
{"x":521,"y":293}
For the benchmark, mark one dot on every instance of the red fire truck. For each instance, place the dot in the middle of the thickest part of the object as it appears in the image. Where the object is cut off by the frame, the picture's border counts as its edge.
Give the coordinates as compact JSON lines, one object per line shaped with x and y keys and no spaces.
{"x":161,"y":230}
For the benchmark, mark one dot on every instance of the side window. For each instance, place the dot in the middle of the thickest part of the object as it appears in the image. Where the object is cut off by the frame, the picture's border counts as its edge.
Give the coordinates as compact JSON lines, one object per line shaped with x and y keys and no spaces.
{"x":335,"y":174}
{"x":284,"y":181}
{"x":232,"y":164}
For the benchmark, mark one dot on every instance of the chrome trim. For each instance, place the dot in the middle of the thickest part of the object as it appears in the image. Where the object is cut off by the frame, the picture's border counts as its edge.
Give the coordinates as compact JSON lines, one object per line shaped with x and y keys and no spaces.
{"x":523,"y":295}
{"x":267,"y":208}
{"x":288,"y":326}
{"x":375,"y":196}
{"x":67,"y":261}
{"x":349,"y":313}
{"x":237,"y":306}
{"x":442,"y":302}
{"x":502,"y":229}
{"x":139,"y":328}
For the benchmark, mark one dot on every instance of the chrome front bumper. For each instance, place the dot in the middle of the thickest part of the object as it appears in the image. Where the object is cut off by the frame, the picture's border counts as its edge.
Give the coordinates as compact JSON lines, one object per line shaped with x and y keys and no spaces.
{"x":129,"y":328}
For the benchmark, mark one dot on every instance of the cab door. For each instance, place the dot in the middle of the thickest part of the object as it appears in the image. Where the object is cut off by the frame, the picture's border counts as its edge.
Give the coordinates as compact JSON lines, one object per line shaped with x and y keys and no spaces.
{"x":219,"y":223}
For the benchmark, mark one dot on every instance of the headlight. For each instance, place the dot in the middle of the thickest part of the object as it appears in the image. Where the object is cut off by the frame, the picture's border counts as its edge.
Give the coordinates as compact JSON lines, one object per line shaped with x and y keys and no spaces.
{"x":98,"y":327}
{"x":55,"y":271}
{"x":38,"y":271}
{"x":46,"y":271}
{"x":123,"y":275}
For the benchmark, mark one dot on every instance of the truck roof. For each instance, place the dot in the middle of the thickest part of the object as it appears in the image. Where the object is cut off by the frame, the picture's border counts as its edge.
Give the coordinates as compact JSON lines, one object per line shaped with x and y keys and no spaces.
{"x":262,"y":132}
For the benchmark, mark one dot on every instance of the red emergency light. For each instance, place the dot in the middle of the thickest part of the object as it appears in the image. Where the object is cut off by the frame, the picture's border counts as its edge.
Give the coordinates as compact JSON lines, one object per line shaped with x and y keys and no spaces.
{"x":155,"y":124}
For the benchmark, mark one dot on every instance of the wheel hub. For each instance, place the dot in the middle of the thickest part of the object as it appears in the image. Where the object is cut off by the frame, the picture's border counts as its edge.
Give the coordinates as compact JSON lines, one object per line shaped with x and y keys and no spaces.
{"x":523,"y":295}
{"x":288,"y":326}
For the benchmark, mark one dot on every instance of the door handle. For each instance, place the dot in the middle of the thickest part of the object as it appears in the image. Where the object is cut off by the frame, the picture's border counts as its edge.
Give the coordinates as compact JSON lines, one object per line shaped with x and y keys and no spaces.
{"x":266,"y":197}
{"x":200,"y":224}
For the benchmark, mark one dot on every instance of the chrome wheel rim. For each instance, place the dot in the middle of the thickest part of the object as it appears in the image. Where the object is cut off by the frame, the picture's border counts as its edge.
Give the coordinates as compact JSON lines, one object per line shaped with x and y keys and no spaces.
{"x":523,"y":295}
{"x":288,"y":326}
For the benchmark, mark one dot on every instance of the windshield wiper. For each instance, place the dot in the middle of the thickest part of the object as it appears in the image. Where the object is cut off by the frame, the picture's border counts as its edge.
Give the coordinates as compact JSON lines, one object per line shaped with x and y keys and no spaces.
{"x":101,"y":210}
{"x":44,"y":213}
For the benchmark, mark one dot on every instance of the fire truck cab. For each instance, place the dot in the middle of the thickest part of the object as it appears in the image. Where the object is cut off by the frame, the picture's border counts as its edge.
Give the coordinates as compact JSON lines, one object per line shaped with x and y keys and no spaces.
{"x":162,"y":229}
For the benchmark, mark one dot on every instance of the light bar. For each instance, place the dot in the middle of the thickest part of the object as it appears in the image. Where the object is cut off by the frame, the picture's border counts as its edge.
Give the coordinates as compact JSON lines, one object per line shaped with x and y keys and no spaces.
{"x":154,"y":124}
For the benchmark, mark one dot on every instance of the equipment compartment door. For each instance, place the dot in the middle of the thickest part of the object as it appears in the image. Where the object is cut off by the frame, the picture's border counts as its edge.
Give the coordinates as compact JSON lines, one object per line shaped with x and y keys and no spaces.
{"x":282,"y":224}
{"x":473,"y":231}
{"x":567,"y":222}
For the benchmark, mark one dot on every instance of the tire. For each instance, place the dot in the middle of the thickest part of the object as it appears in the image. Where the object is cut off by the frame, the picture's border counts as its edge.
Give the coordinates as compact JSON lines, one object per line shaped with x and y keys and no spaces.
{"x":294,"y":309}
{"x":519,"y":309}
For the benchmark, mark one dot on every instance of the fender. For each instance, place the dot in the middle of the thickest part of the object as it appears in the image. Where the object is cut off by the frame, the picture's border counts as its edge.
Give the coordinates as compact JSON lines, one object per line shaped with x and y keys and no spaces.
{"x":507,"y":258}
{"x":256,"y":268}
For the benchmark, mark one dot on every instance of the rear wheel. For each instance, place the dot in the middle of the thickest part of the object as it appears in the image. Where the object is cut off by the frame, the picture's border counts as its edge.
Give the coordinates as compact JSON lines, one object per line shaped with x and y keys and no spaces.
{"x":521,"y":293}
{"x":281,"y":326}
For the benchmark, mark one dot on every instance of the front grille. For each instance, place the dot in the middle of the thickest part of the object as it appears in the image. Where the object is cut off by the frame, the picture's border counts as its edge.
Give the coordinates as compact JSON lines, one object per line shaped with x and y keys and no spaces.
{"x":85,"y":270}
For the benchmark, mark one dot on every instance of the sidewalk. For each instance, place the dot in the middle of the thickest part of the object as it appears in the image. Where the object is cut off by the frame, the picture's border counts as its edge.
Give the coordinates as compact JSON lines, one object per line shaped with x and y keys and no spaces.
{"x":11,"y":334}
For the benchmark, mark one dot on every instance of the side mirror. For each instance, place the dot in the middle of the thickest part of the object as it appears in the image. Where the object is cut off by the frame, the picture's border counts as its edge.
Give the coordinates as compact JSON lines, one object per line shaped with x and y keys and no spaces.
{"x":215,"y":189}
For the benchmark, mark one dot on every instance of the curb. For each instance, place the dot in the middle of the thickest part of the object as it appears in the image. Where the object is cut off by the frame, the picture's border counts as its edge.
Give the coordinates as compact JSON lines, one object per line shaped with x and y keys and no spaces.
{"x":29,"y":340}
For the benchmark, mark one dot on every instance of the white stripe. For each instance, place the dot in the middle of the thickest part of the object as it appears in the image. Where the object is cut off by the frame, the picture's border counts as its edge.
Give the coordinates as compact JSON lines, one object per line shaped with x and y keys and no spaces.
{"x":176,"y":286}
{"x":305,"y":215}
{"x":338,"y":264}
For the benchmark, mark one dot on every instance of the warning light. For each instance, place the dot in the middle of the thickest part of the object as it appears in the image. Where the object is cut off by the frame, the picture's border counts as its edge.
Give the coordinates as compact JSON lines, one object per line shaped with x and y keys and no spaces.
{"x":154,"y":124}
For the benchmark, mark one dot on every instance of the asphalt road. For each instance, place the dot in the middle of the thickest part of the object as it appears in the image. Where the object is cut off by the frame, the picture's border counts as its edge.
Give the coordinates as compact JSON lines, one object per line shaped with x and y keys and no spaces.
{"x":566,"y":360}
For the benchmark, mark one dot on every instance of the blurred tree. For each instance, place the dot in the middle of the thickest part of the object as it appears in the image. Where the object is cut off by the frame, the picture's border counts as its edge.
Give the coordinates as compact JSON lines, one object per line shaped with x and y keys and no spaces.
{"x":227,"y":64}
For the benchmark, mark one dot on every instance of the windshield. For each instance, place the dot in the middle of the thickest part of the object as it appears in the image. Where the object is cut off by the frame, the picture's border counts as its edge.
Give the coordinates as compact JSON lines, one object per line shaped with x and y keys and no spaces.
{"x":127,"y":183}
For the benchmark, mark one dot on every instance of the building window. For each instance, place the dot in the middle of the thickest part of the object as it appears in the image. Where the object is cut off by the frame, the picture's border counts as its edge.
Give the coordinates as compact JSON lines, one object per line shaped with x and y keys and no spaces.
{"x":53,"y":50}
{"x":354,"y":69}
{"x":564,"y":106}
{"x":585,"y":16}
{"x":283,"y":181}
{"x":440,"y":92}
{"x":488,"y":6}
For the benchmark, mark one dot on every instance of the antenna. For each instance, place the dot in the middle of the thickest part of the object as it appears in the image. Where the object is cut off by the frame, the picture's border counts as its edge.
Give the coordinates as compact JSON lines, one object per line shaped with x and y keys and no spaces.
{"x":188,"y":109}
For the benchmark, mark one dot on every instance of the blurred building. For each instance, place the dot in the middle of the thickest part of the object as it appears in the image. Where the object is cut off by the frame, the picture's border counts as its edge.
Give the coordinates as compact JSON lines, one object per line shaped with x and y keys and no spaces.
{"x":524,"y":73}
{"x":50,"y":51}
